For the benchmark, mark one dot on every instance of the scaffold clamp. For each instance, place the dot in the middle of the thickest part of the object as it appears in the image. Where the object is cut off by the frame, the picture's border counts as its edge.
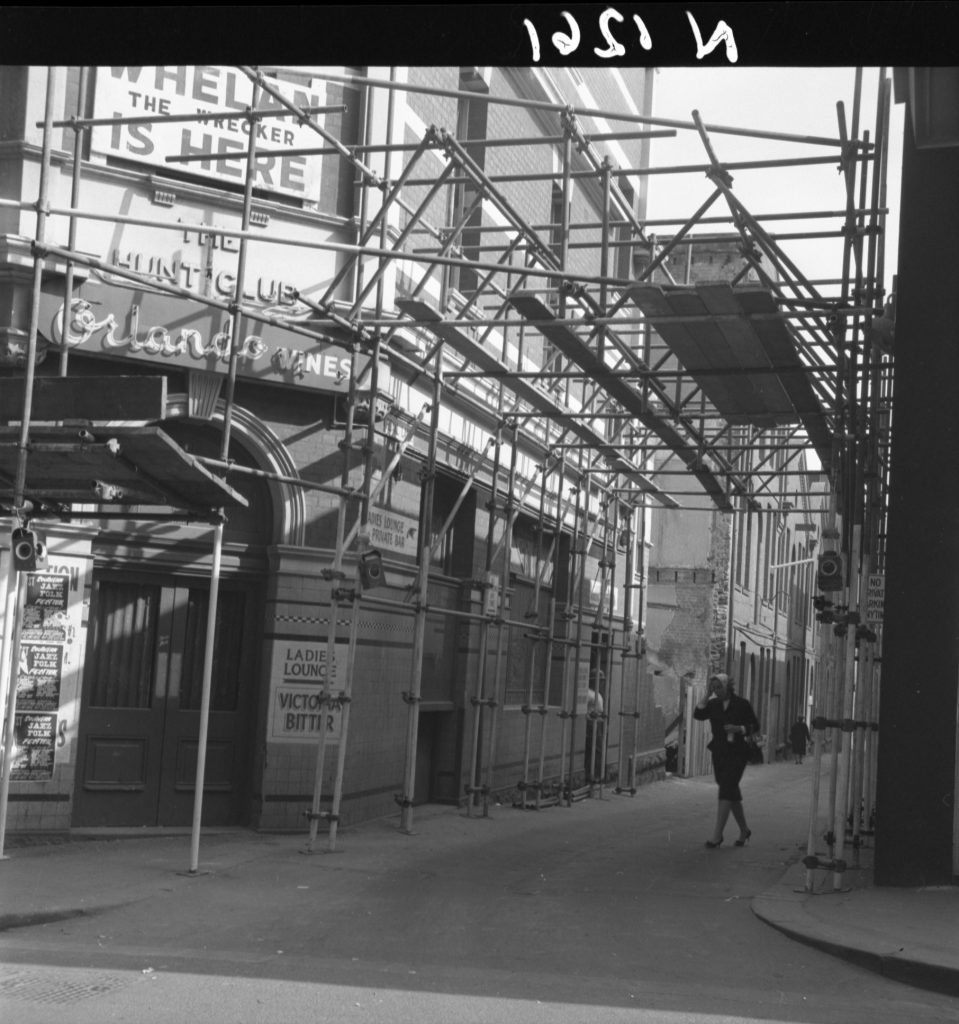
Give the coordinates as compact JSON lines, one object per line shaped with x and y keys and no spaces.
{"x":812,"y":862}
{"x":320,"y":816}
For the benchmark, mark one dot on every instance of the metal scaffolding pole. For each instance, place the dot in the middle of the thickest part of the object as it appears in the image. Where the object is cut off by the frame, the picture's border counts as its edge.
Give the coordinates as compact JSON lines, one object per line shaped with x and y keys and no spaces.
{"x":16,"y":583}
{"x":567,"y":712}
{"x":536,"y":651}
{"x":823,"y":714}
{"x":844,"y":756}
{"x":624,"y":763}
{"x":606,"y":603}
{"x":510,"y":509}
{"x":556,"y":555}
{"x":492,"y":595}
{"x":211,"y":621}
{"x":335,"y":575}
{"x":419,"y":623}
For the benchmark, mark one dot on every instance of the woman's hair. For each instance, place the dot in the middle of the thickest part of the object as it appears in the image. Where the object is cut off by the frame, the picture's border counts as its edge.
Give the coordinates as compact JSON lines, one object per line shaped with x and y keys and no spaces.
{"x":723,"y":678}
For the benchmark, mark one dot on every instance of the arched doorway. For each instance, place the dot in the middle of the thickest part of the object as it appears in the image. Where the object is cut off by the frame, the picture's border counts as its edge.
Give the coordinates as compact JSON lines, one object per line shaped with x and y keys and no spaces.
{"x":143,"y":667}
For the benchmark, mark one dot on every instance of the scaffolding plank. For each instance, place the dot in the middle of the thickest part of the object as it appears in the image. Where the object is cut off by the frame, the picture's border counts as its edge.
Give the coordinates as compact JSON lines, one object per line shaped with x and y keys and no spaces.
{"x":696,"y":346}
{"x":531,"y":306}
{"x":143,"y":465}
{"x":537,"y":399}
{"x":707,"y":346}
{"x":740,"y":335}
{"x":754,"y":333}
{"x":778,"y":341}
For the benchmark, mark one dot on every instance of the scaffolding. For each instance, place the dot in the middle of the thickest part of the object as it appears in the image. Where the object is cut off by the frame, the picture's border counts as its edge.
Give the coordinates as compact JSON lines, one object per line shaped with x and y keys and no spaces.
{"x":603,"y":393}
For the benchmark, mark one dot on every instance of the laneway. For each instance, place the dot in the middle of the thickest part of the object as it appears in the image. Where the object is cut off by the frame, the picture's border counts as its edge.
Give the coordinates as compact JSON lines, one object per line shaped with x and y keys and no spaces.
{"x":600,"y":910}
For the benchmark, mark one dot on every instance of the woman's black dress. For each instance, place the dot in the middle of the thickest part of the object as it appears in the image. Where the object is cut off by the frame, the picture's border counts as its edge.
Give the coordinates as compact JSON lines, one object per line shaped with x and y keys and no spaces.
{"x":729,"y":757}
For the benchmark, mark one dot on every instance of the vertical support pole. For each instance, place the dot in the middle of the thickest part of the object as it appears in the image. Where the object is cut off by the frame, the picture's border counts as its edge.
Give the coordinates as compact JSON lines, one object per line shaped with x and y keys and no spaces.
{"x":10,"y":623}
{"x":857,"y":799}
{"x":345,"y":702}
{"x":345,"y":698}
{"x":569,"y":716}
{"x":210,"y":643}
{"x":498,"y":685}
{"x":566,"y":193}
{"x":336,"y":574}
{"x":821,"y":711}
{"x":838,"y":744}
{"x":627,"y":626}
{"x":11,"y":646}
{"x":537,"y":645}
{"x":610,"y":590}
{"x":204,"y":724}
{"x":550,"y":635}
{"x":606,"y":178}
{"x":422,"y":596}
{"x":773,"y":665}
{"x":578,"y":643}
{"x":640,"y":621}
{"x":29,"y":372}
{"x":479,"y":699}
{"x":74,"y":203}
{"x":845,"y":761}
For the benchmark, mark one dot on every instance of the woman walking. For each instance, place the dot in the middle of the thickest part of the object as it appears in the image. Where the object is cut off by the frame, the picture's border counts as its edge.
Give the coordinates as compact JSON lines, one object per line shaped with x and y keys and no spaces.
{"x":799,"y":738}
{"x":732,"y":720}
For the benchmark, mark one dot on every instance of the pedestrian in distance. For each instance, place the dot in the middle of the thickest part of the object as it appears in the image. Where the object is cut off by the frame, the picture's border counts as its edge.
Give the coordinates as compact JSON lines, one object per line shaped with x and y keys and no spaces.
{"x":732,"y":720}
{"x":595,"y":733}
{"x":799,"y":738}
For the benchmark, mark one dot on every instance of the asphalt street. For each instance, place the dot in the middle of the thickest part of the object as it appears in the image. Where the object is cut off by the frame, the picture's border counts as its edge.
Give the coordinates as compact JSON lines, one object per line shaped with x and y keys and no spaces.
{"x":609,"y":910}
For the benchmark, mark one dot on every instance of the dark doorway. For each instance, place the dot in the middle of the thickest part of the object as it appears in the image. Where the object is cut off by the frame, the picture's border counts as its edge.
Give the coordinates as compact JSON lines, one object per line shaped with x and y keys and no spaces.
{"x":140,"y":706}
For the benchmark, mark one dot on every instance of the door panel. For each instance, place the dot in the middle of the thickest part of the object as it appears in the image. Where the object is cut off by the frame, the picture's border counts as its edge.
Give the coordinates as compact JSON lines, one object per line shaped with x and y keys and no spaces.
{"x":121,"y":720}
{"x":117,"y":764}
{"x":225,"y":773}
{"x":140,"y":709}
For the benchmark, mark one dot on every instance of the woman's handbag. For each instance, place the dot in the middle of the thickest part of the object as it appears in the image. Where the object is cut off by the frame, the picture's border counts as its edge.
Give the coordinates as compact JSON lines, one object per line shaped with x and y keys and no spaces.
{"x":754,"y":749}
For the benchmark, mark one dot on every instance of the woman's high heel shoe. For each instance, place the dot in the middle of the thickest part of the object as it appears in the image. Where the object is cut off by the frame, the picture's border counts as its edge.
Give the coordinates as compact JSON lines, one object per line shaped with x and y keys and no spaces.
{"x":710,"y":845}
{"x":744,"y":838}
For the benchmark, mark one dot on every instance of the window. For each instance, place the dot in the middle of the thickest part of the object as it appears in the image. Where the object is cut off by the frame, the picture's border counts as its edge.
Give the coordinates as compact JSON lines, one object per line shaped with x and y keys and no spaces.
{"x":748,"y":555}
{"x":471,"y":125}
{"x":454,"y":556}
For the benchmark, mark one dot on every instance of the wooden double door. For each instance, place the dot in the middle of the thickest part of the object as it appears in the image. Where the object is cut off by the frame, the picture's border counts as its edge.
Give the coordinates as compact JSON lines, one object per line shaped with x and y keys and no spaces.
{"x":141,"y":697}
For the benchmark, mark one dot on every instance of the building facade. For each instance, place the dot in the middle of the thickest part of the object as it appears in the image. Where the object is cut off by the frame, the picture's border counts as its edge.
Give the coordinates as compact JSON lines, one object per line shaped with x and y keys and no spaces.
{"x":339,"y":685}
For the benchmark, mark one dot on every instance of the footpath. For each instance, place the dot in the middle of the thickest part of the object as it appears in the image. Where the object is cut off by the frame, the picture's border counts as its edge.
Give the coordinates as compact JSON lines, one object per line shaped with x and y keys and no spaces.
{"x":910,"y":935}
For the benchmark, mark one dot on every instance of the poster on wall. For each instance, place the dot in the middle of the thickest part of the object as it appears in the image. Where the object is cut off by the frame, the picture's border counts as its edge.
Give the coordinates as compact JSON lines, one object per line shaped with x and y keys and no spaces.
{"x":299,"y":679}
{"x":39,"y":675}
{"x":48,"y":652}
{"x":35,"y":739}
